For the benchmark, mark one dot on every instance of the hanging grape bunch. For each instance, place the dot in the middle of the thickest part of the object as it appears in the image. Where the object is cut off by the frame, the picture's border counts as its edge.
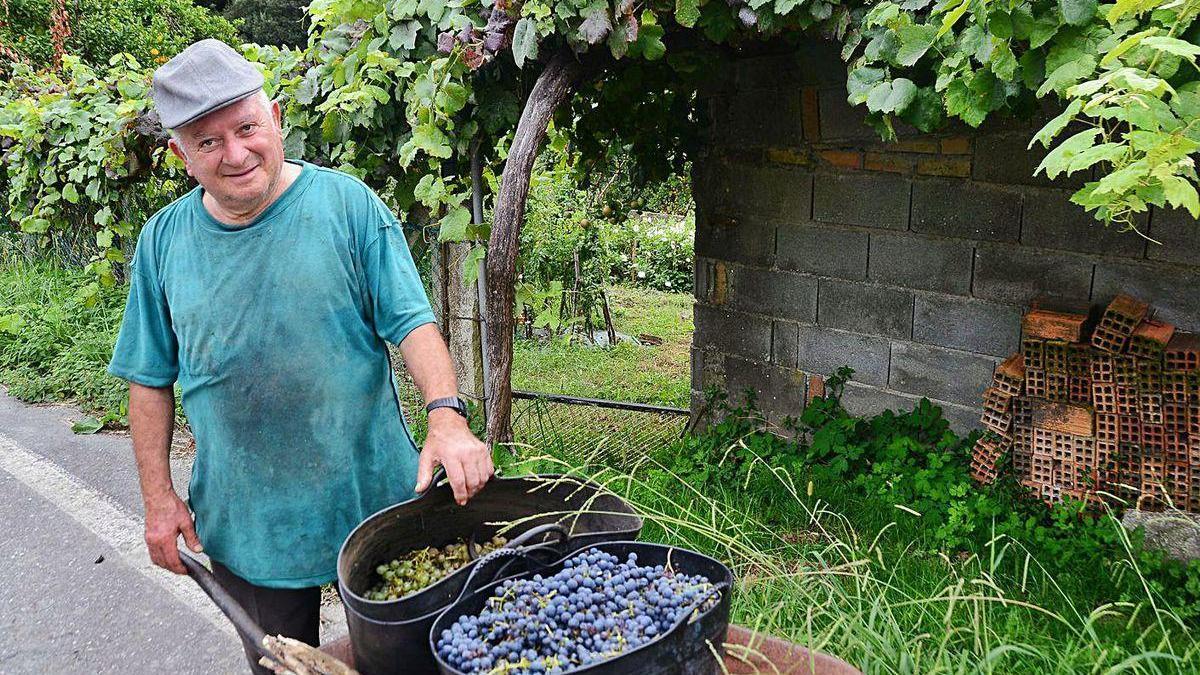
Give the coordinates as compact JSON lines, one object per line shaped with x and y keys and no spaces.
{"x":423,"y":567}
{"x":481,"y":45}
{"x":595,"y":608}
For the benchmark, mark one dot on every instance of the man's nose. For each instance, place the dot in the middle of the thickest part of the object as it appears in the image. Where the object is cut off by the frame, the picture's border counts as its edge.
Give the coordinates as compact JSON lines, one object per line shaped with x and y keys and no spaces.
{"x":236,"y":153}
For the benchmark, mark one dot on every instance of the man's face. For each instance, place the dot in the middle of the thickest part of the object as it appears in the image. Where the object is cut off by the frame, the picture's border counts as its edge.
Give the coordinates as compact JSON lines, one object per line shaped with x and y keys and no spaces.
{"x":235,"y":153}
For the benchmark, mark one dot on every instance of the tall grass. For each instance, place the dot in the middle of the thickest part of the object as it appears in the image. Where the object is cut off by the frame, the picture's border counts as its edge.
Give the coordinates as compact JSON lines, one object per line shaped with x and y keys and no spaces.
{"x":53,"y":345}
{"x":878,"y":601}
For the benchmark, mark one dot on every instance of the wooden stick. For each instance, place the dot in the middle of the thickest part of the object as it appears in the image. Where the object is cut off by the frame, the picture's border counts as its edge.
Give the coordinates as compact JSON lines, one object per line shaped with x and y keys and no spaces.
{"x":554,"y":86}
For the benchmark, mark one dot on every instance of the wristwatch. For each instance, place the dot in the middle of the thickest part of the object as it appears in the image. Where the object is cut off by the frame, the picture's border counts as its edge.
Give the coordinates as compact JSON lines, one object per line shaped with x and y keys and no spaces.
{"x":459,"y":405}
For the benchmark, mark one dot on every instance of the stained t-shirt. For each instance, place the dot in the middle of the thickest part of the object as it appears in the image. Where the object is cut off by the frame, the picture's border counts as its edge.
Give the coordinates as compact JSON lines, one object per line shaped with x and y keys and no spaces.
{"x":276,"y":334}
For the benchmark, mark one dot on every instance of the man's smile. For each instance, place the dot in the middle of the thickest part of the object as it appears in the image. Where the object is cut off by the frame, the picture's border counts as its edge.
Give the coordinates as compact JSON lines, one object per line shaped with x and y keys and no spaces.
{"x":241,"y":174}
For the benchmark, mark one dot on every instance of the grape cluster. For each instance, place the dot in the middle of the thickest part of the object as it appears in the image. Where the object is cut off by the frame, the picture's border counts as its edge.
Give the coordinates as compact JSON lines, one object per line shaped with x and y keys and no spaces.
{"x":481,"y":44}
{"x":424,"y":566}
{"x":595,"y":608}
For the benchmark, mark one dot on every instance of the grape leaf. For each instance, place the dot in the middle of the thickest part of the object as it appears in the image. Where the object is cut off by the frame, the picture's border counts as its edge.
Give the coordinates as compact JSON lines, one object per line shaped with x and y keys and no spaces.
{"x":860,"y":81}
{"x":915,"y":40}
{"x":1180,"y":192}
{"x":1004,"y":62}
{"x":1174,"y":46}
{"x":687,"y":12}
{"x":404,"y":35}
{"x":524,"y":41}
{"x":596,"y":25}
{"x":1056,"y":125}
{"x":1043,"y":29}
{"x":891,"y":97}
{"x":1077,"y":12}
{"x":1022,"y":22}
{"x":454,"y":224}
{"x":1059,"y":159}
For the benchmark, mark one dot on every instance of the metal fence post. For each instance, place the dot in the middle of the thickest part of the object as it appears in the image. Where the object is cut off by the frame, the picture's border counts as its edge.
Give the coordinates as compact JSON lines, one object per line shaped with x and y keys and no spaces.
{"x":481,"y":277}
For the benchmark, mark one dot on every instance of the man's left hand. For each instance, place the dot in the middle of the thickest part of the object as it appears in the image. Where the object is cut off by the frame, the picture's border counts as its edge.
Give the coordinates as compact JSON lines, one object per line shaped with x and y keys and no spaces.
{"x":467,"y":460}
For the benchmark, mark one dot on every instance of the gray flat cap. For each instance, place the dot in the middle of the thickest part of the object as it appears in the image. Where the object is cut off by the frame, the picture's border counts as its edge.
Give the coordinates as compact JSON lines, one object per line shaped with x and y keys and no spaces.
{"x":206,"y":76}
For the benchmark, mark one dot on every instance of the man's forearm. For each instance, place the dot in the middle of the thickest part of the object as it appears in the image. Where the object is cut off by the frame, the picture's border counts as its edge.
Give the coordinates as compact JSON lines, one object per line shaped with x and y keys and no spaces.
{"x":152,"y":422}
{"x":428,"y":361}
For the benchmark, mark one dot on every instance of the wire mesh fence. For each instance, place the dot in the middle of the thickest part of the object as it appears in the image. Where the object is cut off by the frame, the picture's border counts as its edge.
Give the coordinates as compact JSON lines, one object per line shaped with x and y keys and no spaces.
{"x":605,"y":430}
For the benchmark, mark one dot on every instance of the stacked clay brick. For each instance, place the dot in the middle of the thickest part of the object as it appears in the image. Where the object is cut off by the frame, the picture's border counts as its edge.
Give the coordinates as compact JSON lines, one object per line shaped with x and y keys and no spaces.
{"x":1111,"y":415}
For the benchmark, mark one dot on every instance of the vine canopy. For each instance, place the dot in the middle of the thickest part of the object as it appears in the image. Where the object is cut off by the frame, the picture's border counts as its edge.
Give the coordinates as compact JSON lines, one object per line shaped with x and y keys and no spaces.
{"x":399,"y":92}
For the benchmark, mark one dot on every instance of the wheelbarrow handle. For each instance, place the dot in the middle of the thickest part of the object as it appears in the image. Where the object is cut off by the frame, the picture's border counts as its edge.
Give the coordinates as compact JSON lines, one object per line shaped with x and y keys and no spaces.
{"x":246,"y":626}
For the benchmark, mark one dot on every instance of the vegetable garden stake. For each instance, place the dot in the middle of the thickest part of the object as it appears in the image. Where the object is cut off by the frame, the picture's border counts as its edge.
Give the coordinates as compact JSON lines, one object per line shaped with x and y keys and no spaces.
{"x":554,"y":85}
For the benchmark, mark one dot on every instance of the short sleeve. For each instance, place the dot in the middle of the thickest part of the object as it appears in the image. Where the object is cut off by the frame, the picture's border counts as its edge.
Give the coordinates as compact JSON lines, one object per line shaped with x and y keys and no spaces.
{"x":147,"y":351}
{"x":397,"y":297}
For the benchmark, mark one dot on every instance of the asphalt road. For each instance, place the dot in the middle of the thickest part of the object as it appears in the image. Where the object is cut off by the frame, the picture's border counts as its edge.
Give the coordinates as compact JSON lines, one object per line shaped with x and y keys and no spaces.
{"x":78,"y":593}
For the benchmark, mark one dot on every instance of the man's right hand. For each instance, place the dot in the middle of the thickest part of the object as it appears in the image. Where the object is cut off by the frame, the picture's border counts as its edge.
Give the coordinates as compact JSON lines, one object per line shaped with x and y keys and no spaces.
{"x":166,"y":518}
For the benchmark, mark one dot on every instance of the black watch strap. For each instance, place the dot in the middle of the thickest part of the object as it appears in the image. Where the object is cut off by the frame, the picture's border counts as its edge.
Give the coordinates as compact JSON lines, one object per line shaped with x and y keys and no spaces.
{"x":459,"y":405}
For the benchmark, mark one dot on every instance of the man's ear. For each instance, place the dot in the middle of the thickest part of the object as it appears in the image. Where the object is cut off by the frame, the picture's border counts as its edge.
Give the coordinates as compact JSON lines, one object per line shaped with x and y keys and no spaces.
{"x":178,"y":150}
{"x":277,"y":115}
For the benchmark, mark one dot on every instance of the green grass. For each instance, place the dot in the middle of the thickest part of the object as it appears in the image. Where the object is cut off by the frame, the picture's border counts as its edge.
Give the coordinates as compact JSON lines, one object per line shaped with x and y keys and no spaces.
{"x":625,"y":372}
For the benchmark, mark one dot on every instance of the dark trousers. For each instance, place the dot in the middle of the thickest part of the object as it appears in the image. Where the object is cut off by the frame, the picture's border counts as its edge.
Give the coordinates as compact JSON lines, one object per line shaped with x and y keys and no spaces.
{"x":291,"y":612}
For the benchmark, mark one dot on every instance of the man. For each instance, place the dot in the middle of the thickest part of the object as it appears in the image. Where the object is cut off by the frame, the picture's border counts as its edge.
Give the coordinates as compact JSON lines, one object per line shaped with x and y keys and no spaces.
{"x":268,"y":293}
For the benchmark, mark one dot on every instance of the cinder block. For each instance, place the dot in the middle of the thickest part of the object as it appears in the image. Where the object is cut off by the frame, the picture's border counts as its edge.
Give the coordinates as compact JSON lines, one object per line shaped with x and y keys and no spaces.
{"x":784,"y":295}
{"x":953,"y":376}
{"x":820,"y":62}
{"x":959,"y":208}
{"x":1050,"y":220}
{"x":921,"y":262}
{"x":760,"y":117}
{"x":708,"y":369}
{"x":865,"y":308}
{"x":963,"y":418}
{"x":1171,"y":289}
{"x":1177,"y":230}
{"x":824,"y":250}
{"x":779,"y":390}
{"x":773,"y":72}
{"x":777,"y":192}
{"x":733,"y":332}
{"x":1006,"y":158}
{"x":784,"y":343}
{"x":839,"y":119}
{"x":970,"y":325}
{"x":823,"y":351}
{"x":868,"y":401}
{"x":865,"y":199}
{"x":745,"y":240}
{"x":1021,"y":275}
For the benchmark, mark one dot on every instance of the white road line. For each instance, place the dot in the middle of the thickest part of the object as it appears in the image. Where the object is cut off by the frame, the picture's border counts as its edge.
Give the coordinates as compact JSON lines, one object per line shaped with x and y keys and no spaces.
{"x":107,"y":520}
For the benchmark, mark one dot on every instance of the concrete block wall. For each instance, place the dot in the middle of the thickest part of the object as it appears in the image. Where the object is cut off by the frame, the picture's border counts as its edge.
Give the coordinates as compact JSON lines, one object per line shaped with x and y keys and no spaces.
{"x":818,"y":245}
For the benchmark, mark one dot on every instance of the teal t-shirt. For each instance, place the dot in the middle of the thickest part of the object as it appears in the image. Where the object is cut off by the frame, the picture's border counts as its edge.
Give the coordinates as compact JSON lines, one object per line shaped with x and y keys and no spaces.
{"x":276,"y":334}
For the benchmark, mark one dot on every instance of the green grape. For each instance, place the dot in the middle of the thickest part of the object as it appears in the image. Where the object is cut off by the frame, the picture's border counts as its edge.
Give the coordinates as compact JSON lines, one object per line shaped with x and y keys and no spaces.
{"x":422,"y":567}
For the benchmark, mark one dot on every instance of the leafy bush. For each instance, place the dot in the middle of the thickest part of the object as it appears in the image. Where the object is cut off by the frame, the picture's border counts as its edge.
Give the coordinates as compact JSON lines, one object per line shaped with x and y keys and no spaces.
{"x":270,"y":22}
{"x":151,"y":30}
